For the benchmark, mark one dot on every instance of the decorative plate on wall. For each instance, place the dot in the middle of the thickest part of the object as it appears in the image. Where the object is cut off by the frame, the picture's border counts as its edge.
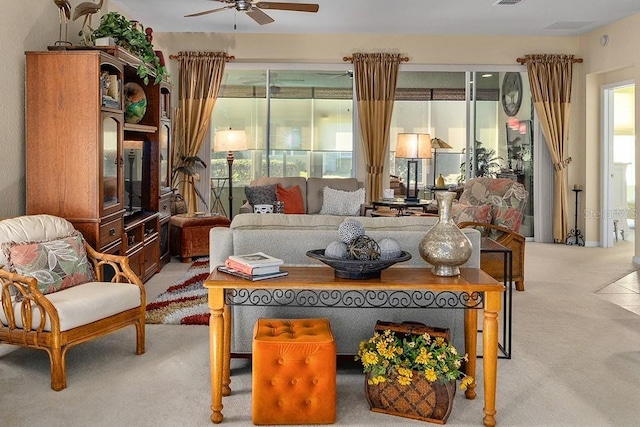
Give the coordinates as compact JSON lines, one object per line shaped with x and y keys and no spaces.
{"x":511,"y":93}
{"x":135,"y":103}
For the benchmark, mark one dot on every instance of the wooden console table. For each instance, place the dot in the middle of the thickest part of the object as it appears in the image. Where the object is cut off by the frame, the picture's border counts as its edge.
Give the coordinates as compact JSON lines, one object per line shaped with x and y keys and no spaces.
{"x":475,"y":290}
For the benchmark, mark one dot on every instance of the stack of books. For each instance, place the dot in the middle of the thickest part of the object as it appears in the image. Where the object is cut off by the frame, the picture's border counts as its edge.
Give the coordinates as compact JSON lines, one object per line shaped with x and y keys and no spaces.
{"x":256,"y":266}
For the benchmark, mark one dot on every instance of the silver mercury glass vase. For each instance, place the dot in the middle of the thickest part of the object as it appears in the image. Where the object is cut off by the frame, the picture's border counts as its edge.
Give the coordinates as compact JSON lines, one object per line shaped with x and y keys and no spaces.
{"x":444,"y":246}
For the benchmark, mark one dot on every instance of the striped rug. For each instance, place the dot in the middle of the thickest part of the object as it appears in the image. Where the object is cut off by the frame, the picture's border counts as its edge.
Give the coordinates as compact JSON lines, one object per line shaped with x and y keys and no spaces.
{"x":185,"y":302}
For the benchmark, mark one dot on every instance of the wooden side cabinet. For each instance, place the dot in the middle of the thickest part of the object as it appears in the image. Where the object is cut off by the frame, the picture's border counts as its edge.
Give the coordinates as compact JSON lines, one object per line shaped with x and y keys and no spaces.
{"x":140,"y":243}
{"x":74,"y":133}
{"x":87,"y":164}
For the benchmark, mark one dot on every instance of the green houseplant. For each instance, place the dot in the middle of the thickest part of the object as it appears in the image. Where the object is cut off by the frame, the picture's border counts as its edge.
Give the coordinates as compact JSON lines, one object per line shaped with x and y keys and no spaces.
{"x":128,"y":36}
{"x":487,"y":160}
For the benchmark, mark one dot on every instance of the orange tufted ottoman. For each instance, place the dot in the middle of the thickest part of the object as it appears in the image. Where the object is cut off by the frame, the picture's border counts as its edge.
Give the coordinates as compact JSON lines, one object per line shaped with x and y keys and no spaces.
{"x":294,"y":372}
{"x":189,"y":234}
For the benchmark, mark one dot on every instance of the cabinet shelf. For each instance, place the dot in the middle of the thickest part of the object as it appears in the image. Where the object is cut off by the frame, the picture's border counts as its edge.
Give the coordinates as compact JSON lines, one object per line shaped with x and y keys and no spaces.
{"x":140,"y":128}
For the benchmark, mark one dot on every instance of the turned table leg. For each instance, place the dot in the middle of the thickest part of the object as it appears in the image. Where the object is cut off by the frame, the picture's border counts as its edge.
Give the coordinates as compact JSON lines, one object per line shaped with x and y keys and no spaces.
{"x":216,"y":351}
{"x":471,"y":346}
{"x":226,"y":367}
{"x":490,"y":355}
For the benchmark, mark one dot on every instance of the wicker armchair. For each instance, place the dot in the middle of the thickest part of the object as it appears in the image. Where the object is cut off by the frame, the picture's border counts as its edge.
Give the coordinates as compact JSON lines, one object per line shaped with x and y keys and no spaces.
{"x":495,"y":206}
{"x":38,"y":316}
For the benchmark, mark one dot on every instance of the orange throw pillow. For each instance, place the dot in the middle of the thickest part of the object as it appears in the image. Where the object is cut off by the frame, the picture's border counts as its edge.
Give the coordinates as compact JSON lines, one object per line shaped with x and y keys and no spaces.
{"x":292,"y":198}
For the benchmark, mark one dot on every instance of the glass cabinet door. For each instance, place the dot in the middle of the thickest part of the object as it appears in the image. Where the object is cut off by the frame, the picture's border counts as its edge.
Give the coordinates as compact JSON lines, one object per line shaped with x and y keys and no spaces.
{"x":165,"y":144}
{"x":111,"y":185}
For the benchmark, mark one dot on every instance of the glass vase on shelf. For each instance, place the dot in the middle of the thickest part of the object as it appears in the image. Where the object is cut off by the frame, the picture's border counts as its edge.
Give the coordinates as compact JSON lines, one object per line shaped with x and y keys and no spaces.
{"x":445,"y":246}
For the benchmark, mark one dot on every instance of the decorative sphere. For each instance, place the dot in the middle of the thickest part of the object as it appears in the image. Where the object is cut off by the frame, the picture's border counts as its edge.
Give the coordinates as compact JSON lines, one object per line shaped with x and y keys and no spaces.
{"x":389,"y":248}
{"x":135,"y":103}
{"x":350,"y":230}
{"x":336,"y":250}
{"x":364,"y":248}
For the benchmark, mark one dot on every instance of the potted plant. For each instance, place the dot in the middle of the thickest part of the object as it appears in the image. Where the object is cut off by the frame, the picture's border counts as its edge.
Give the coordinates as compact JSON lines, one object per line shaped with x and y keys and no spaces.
{"x":127,"y":35}
{"x":487,"y":160}
{"x":422,"y":368}
{"x":185,"y":172}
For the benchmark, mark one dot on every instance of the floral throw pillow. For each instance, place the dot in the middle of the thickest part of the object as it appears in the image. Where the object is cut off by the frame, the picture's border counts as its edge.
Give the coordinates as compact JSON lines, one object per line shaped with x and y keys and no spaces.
{"x":56,"y":264}
{"x":260,"y":194}
{"x":461,"y":212}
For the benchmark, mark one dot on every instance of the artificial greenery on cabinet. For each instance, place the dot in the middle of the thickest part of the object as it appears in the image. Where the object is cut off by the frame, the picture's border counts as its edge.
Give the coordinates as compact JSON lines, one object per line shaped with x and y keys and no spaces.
{"x":127,"y":35}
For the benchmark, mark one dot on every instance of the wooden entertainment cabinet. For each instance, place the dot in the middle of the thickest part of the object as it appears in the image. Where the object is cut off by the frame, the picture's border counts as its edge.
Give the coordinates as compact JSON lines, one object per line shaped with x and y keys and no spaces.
{"x":85,"y":163}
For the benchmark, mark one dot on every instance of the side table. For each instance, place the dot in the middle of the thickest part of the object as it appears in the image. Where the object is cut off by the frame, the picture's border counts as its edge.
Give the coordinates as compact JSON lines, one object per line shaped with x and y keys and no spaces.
{"x":217,"y":186}
{"x":401,"y":205}
{"x":490,"y":250}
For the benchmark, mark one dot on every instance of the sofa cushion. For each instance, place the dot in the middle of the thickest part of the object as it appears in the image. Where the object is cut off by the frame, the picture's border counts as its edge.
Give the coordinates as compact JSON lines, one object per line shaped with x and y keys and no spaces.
{"x":339,"y":202}
{"x":252,"y":221}
{"x":315,"y":190}
{"x":57,"y":264}
{"x":292,"y":198}
{"x":261,"y":194}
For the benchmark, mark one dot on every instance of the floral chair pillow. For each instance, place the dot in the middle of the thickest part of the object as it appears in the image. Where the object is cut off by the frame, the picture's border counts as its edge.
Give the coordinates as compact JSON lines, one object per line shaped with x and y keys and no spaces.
{"x":461,"y":212}
{"x":56,"y":264}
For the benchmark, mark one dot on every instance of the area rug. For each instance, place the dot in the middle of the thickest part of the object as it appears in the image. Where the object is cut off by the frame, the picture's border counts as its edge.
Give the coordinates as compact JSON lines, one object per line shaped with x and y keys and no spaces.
{"x":185,"y":302}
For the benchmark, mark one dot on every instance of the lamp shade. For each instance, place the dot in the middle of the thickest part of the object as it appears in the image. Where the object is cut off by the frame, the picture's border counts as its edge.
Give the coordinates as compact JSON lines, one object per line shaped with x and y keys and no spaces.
{"x":413,"y":146}
{"x":230,"y":140}
{"x":438,"y":143}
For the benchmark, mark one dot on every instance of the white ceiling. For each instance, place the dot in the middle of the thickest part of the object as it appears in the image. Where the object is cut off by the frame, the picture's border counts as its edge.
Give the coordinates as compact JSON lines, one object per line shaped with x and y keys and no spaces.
{"x":449,"y":17}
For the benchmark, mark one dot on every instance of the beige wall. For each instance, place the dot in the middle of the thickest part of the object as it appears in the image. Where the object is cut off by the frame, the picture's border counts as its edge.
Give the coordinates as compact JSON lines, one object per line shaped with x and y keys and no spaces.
{"x":618,"y":61}
{"x":33,"y":24}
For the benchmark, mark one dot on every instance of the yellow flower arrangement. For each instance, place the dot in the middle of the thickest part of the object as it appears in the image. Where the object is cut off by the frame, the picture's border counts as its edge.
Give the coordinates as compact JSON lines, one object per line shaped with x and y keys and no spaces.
{"x":386,"y":355}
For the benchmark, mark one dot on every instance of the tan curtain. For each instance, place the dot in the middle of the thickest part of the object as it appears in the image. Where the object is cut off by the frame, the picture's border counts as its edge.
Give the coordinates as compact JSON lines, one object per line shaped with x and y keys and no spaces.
{"x":200,"y":75}
{"x":550,"y":81}
{"x":376,"y":76}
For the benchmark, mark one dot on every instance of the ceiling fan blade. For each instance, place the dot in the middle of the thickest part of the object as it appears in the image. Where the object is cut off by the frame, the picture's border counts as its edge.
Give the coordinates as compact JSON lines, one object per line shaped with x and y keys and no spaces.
{"x":296,"y":7}
{"x":206,"y":12}
{"x":259,"y":16}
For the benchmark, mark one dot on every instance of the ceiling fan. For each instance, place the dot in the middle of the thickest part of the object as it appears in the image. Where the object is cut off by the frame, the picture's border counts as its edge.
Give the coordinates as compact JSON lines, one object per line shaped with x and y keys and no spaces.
{"x":253,"y":8}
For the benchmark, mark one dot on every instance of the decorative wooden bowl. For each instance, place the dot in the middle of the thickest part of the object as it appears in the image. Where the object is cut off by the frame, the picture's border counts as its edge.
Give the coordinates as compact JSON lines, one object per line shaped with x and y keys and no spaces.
{"x":355,"y":268}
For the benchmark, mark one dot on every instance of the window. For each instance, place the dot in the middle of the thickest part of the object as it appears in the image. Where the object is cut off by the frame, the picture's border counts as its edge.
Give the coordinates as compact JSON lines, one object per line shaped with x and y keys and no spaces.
{"x":301,"y":126}
{"x":300,"y":122}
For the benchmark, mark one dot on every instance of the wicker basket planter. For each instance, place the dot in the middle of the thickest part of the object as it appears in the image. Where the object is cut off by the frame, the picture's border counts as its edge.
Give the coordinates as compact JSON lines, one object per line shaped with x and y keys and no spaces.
{"x":421,"y":400}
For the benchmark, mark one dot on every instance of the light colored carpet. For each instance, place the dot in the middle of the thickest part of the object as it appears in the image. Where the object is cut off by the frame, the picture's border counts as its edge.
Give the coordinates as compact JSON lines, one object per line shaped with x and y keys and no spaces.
{"x":576,"y":362}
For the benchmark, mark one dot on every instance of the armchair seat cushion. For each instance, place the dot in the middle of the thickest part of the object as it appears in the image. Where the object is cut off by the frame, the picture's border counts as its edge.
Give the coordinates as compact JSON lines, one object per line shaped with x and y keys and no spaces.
{"x":83,"y":304}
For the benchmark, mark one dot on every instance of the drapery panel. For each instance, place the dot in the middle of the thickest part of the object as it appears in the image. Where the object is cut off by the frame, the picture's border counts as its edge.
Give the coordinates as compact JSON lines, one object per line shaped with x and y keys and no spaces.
{"x":376,"y":77}
{"x":550,"y":81}
{"x":200,"y":77}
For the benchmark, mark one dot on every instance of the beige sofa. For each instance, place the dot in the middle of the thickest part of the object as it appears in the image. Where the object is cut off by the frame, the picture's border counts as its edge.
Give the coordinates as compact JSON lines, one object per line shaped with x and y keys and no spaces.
{"x":311,"y":189}
{"x":289,"y":237}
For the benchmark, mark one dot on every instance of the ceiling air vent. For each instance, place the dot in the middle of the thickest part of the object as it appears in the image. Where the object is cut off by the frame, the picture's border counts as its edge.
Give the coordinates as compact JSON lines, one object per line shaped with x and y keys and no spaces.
{"x":506,"y":2}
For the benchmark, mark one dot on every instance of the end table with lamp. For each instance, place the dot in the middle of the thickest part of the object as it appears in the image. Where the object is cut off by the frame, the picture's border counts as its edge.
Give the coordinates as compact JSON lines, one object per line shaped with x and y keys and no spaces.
{"x":413,"y":146}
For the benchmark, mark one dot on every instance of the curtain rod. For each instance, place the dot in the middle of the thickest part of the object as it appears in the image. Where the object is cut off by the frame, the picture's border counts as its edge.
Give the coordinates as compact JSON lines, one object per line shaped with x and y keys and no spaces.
{"x":523,"y":60}
{"x":350,"y":59}
{"x":229,"y":57}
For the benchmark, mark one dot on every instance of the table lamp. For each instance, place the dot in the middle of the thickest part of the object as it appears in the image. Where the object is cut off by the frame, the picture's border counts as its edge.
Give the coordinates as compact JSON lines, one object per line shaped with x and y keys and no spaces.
{"x":230,"y":140}
{"x":413,"y":146}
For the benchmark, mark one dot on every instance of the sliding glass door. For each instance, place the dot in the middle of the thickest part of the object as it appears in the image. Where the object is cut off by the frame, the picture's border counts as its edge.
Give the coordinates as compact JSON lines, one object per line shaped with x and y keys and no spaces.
{"x":302,"y":123}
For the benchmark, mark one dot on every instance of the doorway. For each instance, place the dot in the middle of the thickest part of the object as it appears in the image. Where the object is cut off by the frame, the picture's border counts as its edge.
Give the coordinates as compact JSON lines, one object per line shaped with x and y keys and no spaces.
{"x":618,"y":216}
